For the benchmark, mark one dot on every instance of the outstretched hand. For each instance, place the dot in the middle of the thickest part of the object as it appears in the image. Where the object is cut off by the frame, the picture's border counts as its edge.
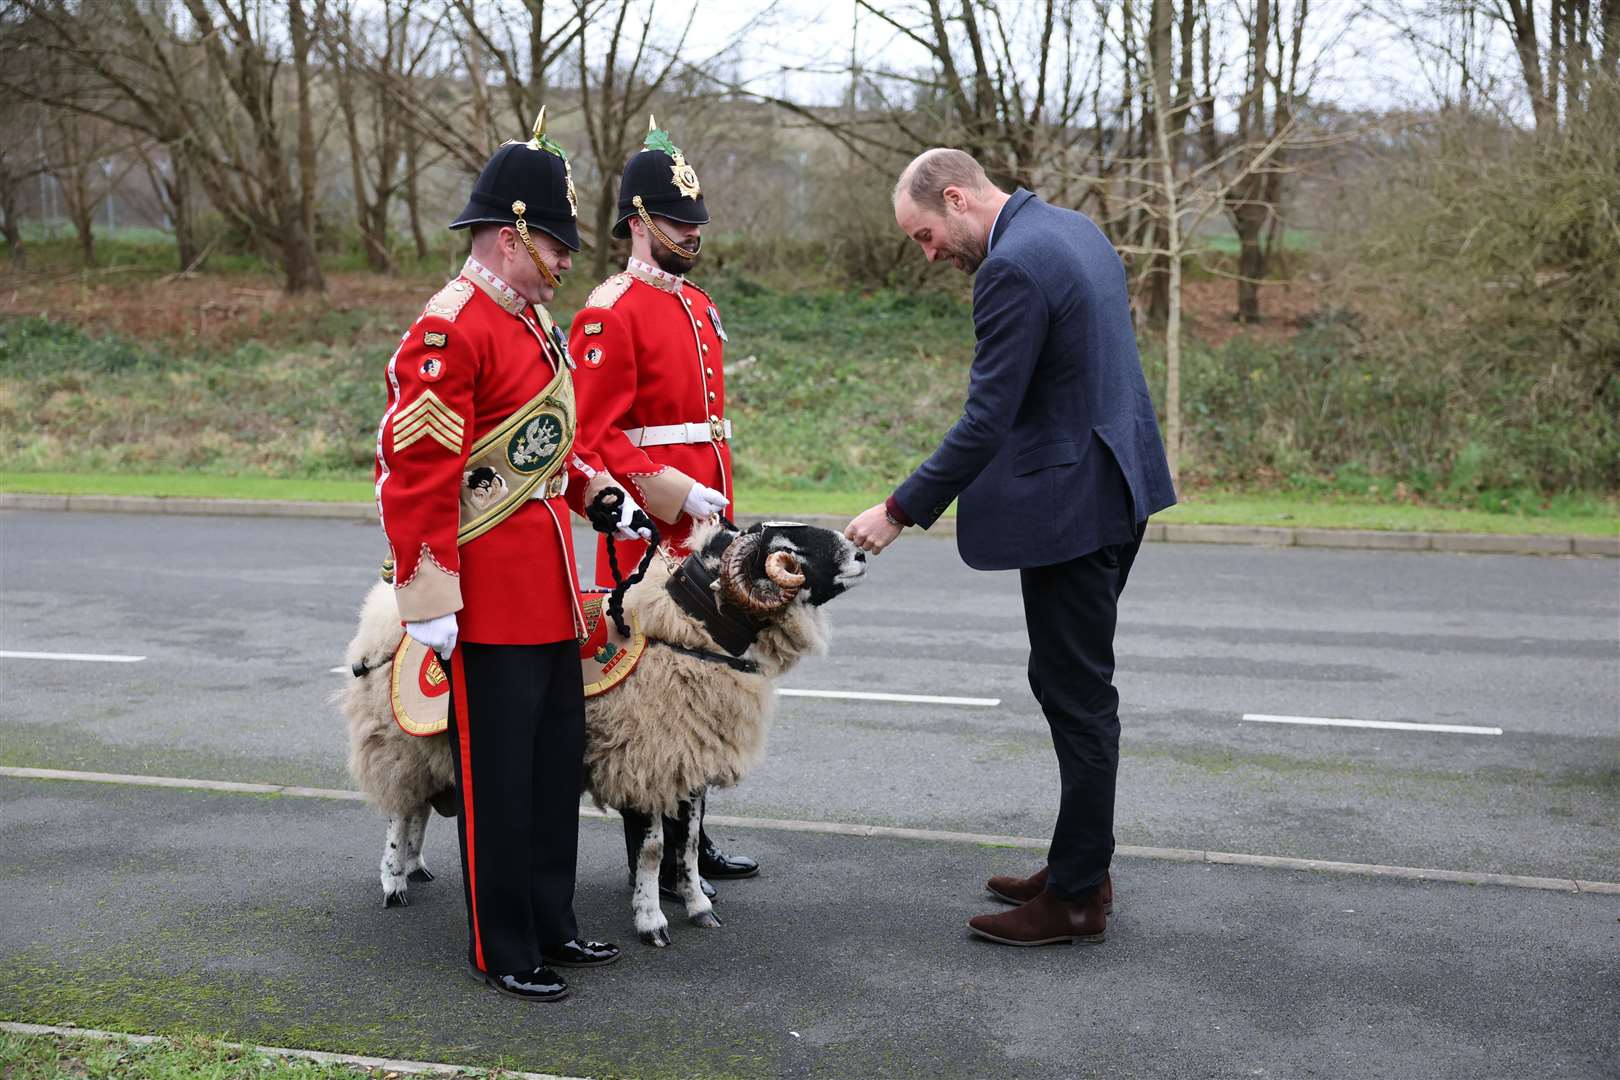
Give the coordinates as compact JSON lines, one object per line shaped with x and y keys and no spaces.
{"x":872,"y":531}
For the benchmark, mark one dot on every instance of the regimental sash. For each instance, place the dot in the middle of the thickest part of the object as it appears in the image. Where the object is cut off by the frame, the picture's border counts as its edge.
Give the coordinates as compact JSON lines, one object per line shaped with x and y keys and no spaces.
{"x":529,"y":449}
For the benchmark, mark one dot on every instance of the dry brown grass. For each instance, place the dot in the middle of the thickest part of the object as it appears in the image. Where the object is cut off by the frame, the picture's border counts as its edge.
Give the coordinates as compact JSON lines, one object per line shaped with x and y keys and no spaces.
{"x":205,"y":309}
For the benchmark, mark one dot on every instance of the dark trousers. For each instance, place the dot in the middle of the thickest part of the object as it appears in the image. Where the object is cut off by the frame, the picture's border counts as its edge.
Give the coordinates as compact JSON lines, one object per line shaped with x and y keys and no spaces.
{"x":1070,"y":609}
{"x":517,"y":737}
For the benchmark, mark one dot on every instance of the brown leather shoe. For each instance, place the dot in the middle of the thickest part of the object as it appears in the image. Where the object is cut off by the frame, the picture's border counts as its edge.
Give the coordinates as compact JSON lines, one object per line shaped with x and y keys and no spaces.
{"x":1022,"y":890}
{"x":1049,"y":919}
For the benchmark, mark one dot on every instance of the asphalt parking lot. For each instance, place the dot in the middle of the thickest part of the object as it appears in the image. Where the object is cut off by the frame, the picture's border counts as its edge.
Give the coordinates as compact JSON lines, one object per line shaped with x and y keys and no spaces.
{"x":1483,"y":700}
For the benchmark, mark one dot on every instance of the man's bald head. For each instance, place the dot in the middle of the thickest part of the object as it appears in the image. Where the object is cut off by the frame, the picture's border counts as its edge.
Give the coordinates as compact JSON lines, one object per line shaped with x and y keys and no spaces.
{"x":945,"y":202}
{"x":924,"y":180}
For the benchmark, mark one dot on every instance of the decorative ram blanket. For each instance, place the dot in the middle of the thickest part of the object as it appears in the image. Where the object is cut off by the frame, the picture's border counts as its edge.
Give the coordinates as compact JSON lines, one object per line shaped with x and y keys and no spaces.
{"x":420,"y":690}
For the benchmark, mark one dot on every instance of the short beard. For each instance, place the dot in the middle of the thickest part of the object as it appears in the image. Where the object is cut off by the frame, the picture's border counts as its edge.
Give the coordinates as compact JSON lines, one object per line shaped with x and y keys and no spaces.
{"x":967,"y":246}
{"x":669,"y":262}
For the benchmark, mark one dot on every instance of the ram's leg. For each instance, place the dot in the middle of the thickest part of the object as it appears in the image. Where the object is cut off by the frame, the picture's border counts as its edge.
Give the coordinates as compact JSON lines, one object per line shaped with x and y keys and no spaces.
{"x":684,"y":833}
{"x":646,"y":837}
{"x":415,"y":833}
{"x":395,"y":864}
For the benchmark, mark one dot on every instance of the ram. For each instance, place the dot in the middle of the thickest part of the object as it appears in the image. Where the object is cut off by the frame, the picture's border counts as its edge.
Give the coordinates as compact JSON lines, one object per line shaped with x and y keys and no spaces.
{"x":686,"y":707}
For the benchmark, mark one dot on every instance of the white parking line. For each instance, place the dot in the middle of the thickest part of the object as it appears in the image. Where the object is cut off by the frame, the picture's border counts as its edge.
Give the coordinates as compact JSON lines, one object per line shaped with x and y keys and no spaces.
{"x":855,"y":829}
{"x":854,"y":695}
{"x":95,"y":658}
{"x":1383,"y":725}
{"x":920,"y":699}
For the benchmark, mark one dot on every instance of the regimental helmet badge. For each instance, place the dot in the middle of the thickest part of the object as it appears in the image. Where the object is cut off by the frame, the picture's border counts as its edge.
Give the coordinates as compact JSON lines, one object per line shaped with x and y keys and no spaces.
{"x":682,"y":175}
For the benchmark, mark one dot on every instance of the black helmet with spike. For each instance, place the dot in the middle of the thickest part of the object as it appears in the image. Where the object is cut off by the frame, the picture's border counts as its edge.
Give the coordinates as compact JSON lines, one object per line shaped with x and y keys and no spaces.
{"x":658,"y":180}
{"x":529,"y":184}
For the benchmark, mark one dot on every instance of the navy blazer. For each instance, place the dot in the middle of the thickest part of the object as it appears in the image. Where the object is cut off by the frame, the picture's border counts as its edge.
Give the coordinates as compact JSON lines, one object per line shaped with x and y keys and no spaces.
{"x":1057,"y":452}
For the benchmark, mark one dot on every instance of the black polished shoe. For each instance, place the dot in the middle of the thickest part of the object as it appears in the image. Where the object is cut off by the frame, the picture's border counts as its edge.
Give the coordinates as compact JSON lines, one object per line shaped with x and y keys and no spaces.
{"x":540,"y":984}
{"x":712,"y":862}
{"x":578,"y":954}
{"x":667,"y":889}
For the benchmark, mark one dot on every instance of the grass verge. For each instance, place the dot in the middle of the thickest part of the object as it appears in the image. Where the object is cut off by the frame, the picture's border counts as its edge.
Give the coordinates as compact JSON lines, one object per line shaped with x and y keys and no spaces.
{"x":64,"y":1057}
{"x":1316,"y":511}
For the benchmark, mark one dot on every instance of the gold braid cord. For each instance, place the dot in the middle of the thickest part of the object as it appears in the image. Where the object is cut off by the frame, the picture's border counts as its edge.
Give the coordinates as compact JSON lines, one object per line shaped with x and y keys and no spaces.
{"x":551,"y":279}
{"x":663,"y":238}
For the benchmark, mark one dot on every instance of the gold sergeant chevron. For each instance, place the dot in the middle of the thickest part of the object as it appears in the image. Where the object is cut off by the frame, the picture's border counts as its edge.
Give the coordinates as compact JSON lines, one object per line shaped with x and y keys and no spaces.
{"x":428,"y":416}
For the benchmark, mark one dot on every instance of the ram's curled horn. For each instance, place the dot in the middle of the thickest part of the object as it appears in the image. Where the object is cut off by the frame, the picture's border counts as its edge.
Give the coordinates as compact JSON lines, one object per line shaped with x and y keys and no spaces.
{"x":782,"y":567}
{"x":737,"y":585}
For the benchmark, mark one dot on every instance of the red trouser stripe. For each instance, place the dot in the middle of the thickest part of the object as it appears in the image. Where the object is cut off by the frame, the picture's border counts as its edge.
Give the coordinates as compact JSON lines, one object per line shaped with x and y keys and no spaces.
{"x":459,"y":672}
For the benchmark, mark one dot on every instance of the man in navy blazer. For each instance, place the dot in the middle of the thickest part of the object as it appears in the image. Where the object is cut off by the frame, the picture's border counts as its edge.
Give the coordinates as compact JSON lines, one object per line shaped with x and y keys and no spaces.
{"x":1056,"y":464}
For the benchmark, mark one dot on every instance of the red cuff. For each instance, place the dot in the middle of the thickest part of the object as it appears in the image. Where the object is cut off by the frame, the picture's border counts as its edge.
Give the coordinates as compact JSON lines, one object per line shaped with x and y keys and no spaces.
{"x":892,"y":507}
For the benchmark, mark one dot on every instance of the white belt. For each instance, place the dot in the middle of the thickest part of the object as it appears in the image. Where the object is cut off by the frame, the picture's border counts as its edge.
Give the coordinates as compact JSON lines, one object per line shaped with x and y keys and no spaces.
{"x":669,"y":434}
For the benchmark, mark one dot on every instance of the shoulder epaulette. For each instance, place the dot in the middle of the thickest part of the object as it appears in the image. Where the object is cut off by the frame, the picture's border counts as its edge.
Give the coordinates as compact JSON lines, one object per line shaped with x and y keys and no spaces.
{"x":448,"y":301}
{"x":607,"y":294}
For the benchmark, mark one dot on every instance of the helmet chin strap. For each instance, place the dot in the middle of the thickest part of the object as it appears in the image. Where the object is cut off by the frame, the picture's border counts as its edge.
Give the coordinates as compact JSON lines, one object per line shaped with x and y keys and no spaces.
{"x":661,"y":235}
{"x":551,"y":279}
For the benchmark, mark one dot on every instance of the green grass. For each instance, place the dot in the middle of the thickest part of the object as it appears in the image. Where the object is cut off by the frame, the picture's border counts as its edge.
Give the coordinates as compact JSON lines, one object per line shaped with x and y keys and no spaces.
{"x":1226,"y":243}
{"x":1200,"y":508}
{"x":835,"y":396}
{"x":1342,"y":512}
{"x":60,"y":1057}
{"x":188,"y":485}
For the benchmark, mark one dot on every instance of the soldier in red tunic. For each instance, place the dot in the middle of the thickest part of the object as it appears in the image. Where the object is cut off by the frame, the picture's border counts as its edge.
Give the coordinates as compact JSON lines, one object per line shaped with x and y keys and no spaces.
{"x":478,"y":464}
{"x":651,"y":383}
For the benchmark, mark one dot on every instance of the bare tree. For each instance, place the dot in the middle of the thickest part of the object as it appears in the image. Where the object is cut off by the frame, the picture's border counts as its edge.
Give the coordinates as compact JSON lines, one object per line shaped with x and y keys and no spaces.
{"x":168,"y":171}
{"x":1274,"y":84}
{"x":73,"y":161}
{"x":1557,"y":49}
{"x":208,"y":83}
{"x":20,"y":165}
{"x":615,"y":93}
{"x":366,"y":56}
{"x":480,"y":72}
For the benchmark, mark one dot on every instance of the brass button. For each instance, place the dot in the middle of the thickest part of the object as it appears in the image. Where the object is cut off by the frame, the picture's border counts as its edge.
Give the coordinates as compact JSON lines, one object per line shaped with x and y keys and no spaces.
{"x":705,"y":347}
{"x":709,"y":371}
{"x":698,"y":323}
{"x":711,"y":395}
{"x":711,"y":415}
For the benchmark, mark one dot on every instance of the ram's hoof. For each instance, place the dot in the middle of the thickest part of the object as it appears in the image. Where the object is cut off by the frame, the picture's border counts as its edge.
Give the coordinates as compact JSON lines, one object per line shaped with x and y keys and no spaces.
{"x":706,"y":919}
{"x":658,"y":937}
{"x":396,"y":899}
{"x":421,"y":873}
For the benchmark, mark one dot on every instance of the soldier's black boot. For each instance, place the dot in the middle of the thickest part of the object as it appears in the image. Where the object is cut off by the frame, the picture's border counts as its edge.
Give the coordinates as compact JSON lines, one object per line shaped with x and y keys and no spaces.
{"x":538,"y":984}
{"x":712,"y":862}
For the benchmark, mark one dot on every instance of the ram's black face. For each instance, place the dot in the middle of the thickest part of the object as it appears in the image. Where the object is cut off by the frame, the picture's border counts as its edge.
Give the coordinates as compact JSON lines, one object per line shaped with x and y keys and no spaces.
{"x":831,"y":564}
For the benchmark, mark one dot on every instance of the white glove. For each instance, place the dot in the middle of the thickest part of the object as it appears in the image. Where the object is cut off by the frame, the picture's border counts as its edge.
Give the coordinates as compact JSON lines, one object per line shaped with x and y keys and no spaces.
{"x":437,"y":634}
{"x":702,"y":501}
{"x":628,"y":510}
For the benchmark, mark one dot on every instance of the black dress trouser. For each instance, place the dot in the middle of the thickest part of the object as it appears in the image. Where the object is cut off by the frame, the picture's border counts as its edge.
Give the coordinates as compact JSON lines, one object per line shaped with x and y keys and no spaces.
{"x":1070,"y":609}
{"x":517,"y":739}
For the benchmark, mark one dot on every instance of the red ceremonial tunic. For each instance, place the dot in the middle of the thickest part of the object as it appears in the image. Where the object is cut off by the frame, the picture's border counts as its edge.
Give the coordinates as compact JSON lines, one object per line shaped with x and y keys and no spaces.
{"x":650,"y":351}
{"x":475,"y":356}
